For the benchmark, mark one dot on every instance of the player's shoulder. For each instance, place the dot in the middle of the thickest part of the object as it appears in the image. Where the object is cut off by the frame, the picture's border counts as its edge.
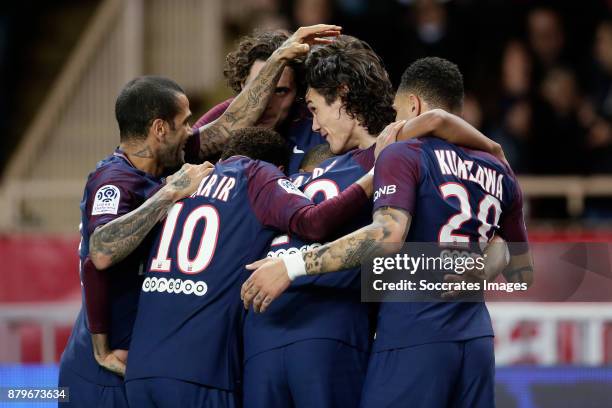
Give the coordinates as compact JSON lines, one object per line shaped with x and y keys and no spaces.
{"x":250,"y":167}
{"x":115,"y":170}
{"x":490,"y":160}
{"x":410,"y":149}
{"x":480,"y":156}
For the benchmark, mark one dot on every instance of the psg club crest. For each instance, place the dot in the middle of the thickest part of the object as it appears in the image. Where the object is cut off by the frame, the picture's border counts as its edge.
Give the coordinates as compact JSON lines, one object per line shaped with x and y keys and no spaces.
{"x":106,"y":201}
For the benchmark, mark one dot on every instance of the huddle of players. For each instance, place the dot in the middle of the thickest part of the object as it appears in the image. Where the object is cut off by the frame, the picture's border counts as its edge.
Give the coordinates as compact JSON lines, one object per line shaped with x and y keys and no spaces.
{"x":190,"y":343}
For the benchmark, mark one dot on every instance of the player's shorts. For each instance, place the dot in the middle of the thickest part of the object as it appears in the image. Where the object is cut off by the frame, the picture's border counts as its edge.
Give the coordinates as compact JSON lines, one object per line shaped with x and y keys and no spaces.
{"x":310,"y":373}
{"x":83,"y":393}
{"x":162,"y":392}
{"x":437,"y":375}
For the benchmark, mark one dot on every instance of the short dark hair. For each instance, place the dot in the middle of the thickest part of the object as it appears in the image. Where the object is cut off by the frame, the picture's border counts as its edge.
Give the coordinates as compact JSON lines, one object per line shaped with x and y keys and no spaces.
{"x":141,"y":101}
{"x":258,"y":144}
{"x":316,"y":156}
{"x":257,"y":46}
{"x":437,"y":80}
{"x":351,"y":63}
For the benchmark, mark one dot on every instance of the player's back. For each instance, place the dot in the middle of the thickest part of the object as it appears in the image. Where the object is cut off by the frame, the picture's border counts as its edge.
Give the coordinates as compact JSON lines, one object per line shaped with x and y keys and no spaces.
{"x":456,"y":196}
{"x":308,"y":309}
{"x":189,"y":318}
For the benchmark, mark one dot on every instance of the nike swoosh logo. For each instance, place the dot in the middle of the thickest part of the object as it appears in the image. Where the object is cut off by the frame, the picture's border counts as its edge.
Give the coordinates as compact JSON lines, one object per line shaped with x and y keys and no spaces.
{"x":297,"y":151}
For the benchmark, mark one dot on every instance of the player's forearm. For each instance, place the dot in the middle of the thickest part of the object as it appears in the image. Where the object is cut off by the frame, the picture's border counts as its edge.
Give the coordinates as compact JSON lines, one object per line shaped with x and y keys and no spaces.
{"x":95,"y":287}
{"x":100,"y":345}
{"x":114,"y":241}
{"x":520,"y":269}
{"x":318,"y":222}
{"x":451,"y":128}
{"x":384,"y":236}
{"x":245,"y":109}
{"x":496,"y":258}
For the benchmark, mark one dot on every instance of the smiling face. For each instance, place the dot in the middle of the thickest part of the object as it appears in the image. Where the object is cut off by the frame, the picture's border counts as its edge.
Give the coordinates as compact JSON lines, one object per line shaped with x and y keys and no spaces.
{"x":281,"y":100}
{"x":172,"y":146}
{"x":332,"y":121}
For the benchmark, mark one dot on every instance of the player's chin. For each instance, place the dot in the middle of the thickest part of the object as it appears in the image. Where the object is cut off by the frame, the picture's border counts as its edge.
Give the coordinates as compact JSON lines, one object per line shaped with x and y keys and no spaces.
{"x":335,"y":148}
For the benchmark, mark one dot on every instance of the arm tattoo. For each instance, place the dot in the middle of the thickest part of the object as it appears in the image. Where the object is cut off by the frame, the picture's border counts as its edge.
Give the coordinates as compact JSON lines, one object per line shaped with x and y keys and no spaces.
{"x":350,"y":251}
{"x":244,"y":110}
{"x":120,"y":237}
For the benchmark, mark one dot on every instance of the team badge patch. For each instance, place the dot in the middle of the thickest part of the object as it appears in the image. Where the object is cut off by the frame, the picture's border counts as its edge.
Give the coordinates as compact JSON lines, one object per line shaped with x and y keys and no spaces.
{"x":106,"y":201}
{"x":289,"y":187}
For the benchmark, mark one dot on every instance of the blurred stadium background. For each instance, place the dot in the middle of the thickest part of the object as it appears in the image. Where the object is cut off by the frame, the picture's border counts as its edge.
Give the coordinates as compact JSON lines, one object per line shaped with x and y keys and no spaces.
{"x":538,"y":80}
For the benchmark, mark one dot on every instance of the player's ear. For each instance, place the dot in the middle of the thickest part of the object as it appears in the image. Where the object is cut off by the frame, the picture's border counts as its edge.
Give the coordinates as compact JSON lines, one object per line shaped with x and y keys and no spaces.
{"x":281,"y":168}
{"x":158,"y":129}
{"x":415,"y":104}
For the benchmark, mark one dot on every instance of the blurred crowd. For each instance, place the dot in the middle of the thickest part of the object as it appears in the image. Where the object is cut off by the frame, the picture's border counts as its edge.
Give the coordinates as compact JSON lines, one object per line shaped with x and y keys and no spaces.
{"x":538,"y":74}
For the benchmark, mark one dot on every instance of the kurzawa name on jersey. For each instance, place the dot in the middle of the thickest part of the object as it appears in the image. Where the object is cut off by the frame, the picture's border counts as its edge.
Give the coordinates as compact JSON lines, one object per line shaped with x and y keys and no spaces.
{"x":452,"y":165}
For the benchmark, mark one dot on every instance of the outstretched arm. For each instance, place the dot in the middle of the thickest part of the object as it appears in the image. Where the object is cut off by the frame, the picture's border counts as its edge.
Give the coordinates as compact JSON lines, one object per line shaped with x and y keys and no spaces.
{"x":250,"y":103}
{"x":386,"y":234}
{"x":451,"y":128}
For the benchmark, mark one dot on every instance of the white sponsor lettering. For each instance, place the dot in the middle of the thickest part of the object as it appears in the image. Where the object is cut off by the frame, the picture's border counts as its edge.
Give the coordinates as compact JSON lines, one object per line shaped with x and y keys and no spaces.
{"x":385,"y":190}
{"x":175,"y":286}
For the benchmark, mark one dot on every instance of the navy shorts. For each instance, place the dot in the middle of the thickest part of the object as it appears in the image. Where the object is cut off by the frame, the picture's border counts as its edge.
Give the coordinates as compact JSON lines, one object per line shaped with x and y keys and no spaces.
{"x":85,"y":394}
{"x":169,"y":392}
{"x":437,"y":375}
{"x":310,"y":373}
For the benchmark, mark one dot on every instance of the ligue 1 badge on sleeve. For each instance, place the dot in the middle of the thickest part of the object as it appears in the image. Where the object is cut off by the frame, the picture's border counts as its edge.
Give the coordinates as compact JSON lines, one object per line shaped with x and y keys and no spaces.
{"x":289,"y":187}
{"x":106,"y":201}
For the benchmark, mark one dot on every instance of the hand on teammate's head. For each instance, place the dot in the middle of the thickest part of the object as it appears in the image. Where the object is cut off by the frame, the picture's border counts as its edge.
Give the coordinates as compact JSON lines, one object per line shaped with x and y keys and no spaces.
{"x":299,"y":43}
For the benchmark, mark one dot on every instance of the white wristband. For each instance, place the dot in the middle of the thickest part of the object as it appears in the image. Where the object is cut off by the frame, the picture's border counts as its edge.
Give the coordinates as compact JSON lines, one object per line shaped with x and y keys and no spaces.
{"x":295,"y":265}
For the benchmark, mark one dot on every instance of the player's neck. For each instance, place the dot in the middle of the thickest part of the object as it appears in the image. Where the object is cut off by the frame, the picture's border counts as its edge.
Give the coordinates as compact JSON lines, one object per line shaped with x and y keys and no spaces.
{"x":142,"y":157}
{"x":363,"y":138}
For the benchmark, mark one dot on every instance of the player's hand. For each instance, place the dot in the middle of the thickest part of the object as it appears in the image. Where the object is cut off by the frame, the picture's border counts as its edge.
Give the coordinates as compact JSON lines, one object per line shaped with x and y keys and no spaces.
{"x":115,"y":361}
{"x":269,"y":280}
{"x":496,"y":260}
{"x":185,"y":181}
{"x":112,"y":360}
{"x":388,"y":136}
{"x":299,"y":43}
{"x":498,"y":152}
{"x":473,"y":275}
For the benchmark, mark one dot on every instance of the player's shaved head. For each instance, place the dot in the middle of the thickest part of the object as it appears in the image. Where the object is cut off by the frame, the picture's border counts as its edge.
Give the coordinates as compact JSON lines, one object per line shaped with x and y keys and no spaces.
{"x":258,"y":144}
{"x":315,"y":156}
{"x":141,"y":101}
{"x":435,"y":80}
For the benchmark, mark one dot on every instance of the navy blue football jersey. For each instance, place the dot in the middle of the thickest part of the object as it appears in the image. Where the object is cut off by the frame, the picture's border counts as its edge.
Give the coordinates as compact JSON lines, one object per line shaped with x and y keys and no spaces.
{"x":300,"y":139}
{"x":455,"y":196}
{"x":113,"y":189}
{"x":189,"y":323}
{"x":323,"y":306}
